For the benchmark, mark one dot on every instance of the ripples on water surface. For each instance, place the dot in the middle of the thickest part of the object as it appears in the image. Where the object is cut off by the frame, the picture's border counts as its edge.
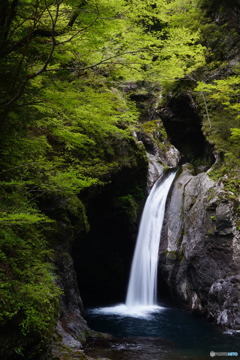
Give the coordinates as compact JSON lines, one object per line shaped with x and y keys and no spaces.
{"x":156,"y":333}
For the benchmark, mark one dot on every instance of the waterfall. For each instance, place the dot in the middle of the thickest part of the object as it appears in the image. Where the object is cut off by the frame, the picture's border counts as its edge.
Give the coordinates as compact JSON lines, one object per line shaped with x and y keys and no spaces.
{"x":142,"y":288}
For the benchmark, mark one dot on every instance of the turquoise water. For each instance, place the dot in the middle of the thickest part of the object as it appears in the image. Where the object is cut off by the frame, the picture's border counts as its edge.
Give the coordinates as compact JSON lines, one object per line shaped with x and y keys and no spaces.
{"x":164,"y":333}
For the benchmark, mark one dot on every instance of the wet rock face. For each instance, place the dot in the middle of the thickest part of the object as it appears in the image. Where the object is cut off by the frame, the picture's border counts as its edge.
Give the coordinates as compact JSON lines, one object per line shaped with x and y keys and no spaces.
{"x":169,"y":155}
{"x":70,"y":333}
{"x":224,"y":302}
{"x":156,"y":168}
{"x":199,"y":251}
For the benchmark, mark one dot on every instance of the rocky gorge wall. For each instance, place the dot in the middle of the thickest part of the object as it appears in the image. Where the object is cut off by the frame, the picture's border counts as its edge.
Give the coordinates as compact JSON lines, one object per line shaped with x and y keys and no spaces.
{"x":92,"y":249}
{"x":200,"y":248}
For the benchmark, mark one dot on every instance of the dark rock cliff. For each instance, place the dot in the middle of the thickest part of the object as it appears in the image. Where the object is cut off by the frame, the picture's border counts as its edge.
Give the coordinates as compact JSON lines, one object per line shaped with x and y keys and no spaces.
{"x":71,"y":330}
{"x":93,"y":245}
{"x":200,"y":248}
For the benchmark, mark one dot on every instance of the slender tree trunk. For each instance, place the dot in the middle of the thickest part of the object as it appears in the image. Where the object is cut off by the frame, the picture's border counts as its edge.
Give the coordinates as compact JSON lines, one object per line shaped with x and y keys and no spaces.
{"x":4,"y":5}
{"x":7,"y":13}
{"x":76,"y":13}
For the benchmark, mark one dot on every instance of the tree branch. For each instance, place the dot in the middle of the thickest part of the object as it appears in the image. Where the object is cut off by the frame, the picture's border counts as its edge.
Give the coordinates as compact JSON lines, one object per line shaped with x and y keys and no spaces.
{"x":49,"y":57}
{"x":104,"y":61}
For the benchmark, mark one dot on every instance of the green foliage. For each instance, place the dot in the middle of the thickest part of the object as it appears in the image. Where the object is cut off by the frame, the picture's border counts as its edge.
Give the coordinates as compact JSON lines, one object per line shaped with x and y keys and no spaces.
{"x":225,"y":91}
{"x":222,"y":121}
{"x":156,"y":129}
{"x":28,"y":295}
{"x":235,"y":134}
{"x":61,"y":135}
{"x":20,"y":218}
{"x":76,"y":208}
{"x":66,"y":125}
{"x":129,"y":207}
{"x":157,"y":133}
{"x":118,"y":37}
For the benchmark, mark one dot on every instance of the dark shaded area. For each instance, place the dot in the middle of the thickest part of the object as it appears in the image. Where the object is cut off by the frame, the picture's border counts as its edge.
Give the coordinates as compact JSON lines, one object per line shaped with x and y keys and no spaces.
{"x":218,"y":5}
{"x":224,"y":38}
{"x":103,"y":257}
{"x":183,"y":125}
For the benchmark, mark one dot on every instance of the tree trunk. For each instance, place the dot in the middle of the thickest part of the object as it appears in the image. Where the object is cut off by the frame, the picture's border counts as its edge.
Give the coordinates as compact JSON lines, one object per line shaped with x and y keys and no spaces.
{"x":76,"y":13}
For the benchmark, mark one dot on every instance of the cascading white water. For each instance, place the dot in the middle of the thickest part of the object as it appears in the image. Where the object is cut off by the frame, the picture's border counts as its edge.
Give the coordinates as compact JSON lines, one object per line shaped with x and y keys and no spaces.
{"x":142,"y":288}
{"x":141,"y":298}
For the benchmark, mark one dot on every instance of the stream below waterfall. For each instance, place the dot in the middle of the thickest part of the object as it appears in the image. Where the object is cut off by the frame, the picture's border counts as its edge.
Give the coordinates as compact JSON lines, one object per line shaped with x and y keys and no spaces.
{"x":165,"y":333}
